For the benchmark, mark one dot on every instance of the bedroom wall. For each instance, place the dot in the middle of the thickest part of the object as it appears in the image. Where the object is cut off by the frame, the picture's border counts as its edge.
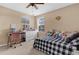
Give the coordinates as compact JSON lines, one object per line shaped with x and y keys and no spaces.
{"x":69,"y":19}
{"x":8,"y":17}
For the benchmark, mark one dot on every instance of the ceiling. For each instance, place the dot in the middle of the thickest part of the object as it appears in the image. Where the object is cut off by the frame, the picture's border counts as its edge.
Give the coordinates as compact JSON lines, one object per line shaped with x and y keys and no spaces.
{"x":47,"y":7}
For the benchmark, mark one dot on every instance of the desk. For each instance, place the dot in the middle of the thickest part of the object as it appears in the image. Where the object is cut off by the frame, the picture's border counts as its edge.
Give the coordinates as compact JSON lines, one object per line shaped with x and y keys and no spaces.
{"x":14,"y":38}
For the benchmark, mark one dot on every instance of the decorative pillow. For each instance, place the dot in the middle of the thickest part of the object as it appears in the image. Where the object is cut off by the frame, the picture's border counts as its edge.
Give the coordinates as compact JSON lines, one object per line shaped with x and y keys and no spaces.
{"x":58,"y":36}
{"x":53,"y":32}
{"x":64,"y":36}
{"x":49,"y":33}
{"x":73,"y":37}
{"x":75,"y":42}
{"x":69,"y":34}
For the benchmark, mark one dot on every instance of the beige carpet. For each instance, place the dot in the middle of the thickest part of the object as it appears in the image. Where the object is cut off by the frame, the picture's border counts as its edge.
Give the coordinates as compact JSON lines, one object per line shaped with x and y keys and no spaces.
{"x":25,"y":49}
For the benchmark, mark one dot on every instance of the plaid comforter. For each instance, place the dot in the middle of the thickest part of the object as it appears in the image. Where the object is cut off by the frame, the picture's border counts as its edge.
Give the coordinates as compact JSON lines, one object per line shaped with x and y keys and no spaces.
{"x":53,"y":48}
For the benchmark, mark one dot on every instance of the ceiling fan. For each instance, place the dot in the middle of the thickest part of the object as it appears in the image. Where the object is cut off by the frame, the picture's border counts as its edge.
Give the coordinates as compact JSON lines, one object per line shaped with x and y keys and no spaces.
{"x":33,"y":5}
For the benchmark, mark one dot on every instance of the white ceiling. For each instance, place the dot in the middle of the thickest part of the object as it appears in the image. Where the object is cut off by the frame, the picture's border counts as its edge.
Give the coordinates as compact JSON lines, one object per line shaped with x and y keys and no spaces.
{"x":21,"y":7}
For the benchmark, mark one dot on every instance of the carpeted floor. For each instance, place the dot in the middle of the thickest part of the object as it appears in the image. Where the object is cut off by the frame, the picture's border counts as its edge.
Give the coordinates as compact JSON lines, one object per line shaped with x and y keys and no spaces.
{"x":25,"y":49}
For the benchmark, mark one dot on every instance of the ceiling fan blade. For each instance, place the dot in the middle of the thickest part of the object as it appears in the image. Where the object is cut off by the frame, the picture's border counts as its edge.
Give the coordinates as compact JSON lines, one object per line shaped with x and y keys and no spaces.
{"x":39,"y":3}
{"x":35,"y":6}
{"x":28,"y":5}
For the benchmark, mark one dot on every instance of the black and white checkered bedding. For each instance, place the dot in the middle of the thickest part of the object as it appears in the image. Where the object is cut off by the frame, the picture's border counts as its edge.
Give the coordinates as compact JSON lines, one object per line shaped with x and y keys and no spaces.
{"x":53,"y":48}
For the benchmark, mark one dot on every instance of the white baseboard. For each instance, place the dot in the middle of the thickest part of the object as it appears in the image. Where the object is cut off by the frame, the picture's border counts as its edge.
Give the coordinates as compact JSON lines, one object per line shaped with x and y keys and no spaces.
{"x":3,"y":45}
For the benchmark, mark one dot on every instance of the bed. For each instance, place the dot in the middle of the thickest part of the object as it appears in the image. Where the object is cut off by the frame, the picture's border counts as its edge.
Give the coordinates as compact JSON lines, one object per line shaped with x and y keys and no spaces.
{"x":56,"y":48}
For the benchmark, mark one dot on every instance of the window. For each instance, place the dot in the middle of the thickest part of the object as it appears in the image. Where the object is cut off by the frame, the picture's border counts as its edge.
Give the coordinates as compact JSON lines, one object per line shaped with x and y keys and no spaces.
{"x":41,"y":24}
